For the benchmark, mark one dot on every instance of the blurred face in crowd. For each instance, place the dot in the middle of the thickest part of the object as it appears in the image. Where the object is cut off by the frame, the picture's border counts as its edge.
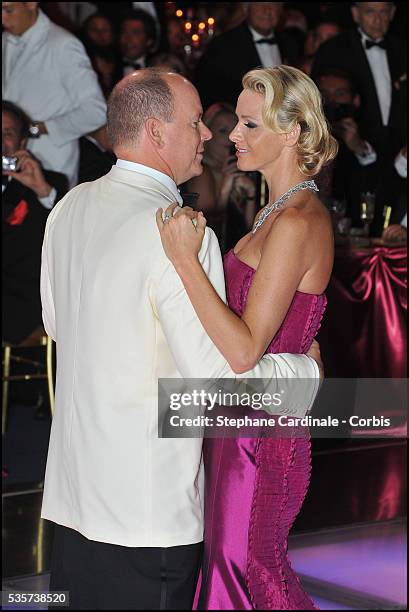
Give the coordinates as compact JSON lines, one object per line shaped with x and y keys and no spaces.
{"x":219,"y":146}
{"x":99,"y":31}
{"x":336,"y":90}
{"x":256,"y":145}
{"x":10,"y":134}
{"x":264,"y":16}
{"x":186,"y":134}
{"x":310,"y":45}
{"x":18,"y":17}
{"x":133,"y":40}
{"x":374,"y":18}
{"x":175,"y":35}
{"x":325,"y":31}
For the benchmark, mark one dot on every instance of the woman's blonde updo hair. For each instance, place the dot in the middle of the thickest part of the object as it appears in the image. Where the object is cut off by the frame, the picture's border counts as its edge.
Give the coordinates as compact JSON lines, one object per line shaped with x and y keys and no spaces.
{"x":291,"y":98}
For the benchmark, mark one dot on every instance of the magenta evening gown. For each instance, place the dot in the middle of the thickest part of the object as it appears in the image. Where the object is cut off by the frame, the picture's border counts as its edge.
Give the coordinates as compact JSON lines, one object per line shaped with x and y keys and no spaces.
{"x":255,"y":487}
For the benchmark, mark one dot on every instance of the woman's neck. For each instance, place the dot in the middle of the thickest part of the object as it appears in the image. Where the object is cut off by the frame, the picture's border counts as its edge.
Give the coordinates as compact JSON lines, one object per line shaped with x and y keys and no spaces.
{"x":280,"y":178}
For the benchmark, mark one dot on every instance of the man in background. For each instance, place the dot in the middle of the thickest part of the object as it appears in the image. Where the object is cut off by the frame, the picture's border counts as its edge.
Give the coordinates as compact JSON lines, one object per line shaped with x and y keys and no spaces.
{"x":47,"y":73}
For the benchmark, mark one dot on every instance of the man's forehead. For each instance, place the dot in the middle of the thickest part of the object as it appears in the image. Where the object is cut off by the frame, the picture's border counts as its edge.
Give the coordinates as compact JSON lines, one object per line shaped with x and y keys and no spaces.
{"x":335,"y":81}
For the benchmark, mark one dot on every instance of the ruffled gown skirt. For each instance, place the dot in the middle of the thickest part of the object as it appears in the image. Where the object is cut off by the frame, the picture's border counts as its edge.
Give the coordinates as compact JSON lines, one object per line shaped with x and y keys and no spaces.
{"x":255,"y":489}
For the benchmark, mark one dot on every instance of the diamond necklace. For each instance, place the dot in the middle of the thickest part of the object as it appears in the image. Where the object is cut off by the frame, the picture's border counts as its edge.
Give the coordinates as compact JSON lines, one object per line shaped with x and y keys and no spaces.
{"x":267,"y":210}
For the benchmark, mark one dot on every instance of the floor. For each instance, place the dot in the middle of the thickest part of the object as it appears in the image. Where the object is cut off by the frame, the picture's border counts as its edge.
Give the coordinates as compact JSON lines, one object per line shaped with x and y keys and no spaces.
{"x":344,"y":568}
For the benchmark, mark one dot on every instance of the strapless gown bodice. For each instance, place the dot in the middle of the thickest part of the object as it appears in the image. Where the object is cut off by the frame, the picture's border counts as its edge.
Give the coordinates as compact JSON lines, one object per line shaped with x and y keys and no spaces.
{"x":303,"y":318}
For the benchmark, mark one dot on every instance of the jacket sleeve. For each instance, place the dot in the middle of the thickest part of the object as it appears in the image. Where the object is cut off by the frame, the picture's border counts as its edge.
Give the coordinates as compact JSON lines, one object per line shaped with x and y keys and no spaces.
{"x":88,"y":106}
{"x":197,"y":357}
{"x":47,"y":300}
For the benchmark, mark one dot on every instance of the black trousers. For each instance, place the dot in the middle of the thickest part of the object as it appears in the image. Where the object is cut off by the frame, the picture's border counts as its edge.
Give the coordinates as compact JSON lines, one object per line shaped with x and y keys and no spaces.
{"x":103,"y":576}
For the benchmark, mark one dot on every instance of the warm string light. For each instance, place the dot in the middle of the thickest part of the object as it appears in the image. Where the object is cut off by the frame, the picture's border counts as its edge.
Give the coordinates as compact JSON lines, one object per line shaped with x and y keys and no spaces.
{"x":203,"y":29}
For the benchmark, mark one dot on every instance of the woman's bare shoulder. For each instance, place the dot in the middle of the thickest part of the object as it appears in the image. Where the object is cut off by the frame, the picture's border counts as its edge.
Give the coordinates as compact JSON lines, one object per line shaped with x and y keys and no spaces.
{"x":307,"y":215}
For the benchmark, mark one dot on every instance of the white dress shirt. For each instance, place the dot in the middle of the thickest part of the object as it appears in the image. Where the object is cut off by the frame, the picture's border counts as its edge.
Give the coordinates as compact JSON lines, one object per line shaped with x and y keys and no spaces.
{"x":378,"y":62}
{"x":48,"y":74}
{"x":141,"y":61}
{"x":122,"y":320}
{"x":269,"y":54}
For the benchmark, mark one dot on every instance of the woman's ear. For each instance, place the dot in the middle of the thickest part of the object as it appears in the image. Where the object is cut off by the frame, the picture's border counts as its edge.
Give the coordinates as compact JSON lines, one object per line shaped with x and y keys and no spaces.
{"x":292,"y":137}
{"x":154,"y":131}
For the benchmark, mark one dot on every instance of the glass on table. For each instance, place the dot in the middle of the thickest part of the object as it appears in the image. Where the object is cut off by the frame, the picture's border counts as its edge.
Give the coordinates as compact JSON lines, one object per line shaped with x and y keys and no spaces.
{"x":337,"y":208}
{"x":367,"y":210}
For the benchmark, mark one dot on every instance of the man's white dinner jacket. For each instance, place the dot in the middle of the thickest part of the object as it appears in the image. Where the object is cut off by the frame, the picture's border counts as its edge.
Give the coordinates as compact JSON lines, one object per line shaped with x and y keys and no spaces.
{"x":121,"y":319}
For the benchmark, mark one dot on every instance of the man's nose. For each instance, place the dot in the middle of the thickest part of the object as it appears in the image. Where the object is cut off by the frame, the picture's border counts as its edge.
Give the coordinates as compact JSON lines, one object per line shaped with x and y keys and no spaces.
{"x":206,"y":133}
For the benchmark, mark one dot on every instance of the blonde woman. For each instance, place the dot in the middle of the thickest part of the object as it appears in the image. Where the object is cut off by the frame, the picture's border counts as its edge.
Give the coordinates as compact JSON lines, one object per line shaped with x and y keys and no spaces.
{"x":276,"y":276}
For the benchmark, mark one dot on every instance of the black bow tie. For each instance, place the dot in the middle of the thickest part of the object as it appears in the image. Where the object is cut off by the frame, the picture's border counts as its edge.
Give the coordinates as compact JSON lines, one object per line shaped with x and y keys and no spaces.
{"x":371,"y":43}
{"x":266,"y":41}
{"x":131,"y":64}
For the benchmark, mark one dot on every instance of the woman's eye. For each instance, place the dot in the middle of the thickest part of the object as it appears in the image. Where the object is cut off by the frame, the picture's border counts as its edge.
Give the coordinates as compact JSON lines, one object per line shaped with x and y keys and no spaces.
{"x":250,"y":125}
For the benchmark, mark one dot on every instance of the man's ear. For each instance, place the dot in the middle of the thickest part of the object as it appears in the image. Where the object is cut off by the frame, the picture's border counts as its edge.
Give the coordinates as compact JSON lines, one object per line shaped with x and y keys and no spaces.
{"x":33,"y":6}
{"x":393,"y":11}
{"x":292,"y":137}
{"x":154,"y":131}
{"x":355,"y":13}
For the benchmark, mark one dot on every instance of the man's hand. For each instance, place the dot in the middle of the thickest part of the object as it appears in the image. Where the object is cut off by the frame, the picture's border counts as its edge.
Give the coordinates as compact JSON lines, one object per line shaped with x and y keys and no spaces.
{"x":42,"y":127}
{"x":30,"y":174}
{"x":315,"y":353}
{"x":348,"y":130}
{"x":395,"y":233}
{"x":230,"y":174}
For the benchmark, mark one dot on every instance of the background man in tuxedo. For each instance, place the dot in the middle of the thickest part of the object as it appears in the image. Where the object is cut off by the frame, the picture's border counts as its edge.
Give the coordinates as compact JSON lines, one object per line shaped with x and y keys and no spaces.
{"x":252,"y":44}
{"x":376,"y":61}
{"x":354,"y":168}
{"x":137,"y":34}
{"x":27,"y":196}
{"x":128,"y":505}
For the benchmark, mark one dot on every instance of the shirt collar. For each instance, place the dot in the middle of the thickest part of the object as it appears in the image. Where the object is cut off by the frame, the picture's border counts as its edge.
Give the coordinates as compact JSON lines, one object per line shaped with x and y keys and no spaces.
{"x":152,"y":172}
{"x":365,"y":37}
{"x":4,"y":185}
{"x":257,"y":36}
{"x":141,"y":60}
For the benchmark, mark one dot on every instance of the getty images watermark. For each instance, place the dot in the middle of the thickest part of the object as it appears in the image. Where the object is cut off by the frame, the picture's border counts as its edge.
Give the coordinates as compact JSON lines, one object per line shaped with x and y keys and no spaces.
{"x":282,"y":408}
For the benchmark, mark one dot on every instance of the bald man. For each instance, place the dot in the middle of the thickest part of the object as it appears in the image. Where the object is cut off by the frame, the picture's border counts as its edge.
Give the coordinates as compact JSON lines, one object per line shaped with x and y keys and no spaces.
{"x":127,"y":505}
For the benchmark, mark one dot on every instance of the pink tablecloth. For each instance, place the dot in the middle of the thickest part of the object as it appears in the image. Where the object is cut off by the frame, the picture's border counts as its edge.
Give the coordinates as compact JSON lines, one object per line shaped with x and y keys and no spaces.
{"x":363,"y":333}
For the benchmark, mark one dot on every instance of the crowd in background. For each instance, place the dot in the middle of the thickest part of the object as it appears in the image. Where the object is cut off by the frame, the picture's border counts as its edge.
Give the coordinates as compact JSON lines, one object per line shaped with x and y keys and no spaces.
{"x":61,"y":60}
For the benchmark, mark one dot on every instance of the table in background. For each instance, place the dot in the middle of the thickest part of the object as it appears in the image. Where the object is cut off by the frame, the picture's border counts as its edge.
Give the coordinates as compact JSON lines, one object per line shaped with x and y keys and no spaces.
{"x":363,"y":334}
